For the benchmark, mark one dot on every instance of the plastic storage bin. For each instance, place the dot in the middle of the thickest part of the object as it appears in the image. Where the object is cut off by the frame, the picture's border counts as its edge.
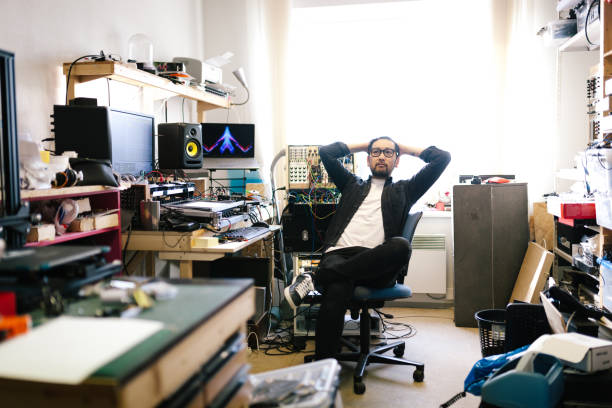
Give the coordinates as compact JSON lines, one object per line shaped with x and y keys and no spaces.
{"x":603,"y":210}
{"x":559,"y":31}
{"x":311,"y":385}
{"x":605,"y":286}
{"x":599,"y":168}
{"x":492,"y":329}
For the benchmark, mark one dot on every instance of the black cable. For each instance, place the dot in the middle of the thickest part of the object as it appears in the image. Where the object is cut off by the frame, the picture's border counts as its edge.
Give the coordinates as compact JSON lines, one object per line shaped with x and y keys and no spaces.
{"x":586,"y":22}
{"x":70,"y":70}
{"x":127,"y":242}
{"x":166,"y":110}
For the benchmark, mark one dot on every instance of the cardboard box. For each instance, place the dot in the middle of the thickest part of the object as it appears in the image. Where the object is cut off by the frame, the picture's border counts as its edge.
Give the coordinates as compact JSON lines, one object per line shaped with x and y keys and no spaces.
{"x":544,"y":226}
{"x":43,"y":232}
{"x":84,"y":205}
{"x":81,"y":224}
{"x":533,"y":273}
{"x":576,"y":350}
{"x":106,"y":221}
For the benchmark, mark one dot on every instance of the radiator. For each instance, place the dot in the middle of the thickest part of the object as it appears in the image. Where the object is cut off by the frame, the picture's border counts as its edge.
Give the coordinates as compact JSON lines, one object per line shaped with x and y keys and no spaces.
{"x":427,"y":268}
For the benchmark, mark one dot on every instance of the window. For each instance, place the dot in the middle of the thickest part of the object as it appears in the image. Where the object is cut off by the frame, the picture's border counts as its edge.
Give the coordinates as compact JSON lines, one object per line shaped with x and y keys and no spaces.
{"x":423,"y":72}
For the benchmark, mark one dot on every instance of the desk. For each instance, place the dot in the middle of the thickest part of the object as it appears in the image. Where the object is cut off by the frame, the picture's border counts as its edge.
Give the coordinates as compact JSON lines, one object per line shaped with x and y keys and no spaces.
{"x":177,"y":246}
{"x":197,"y":325}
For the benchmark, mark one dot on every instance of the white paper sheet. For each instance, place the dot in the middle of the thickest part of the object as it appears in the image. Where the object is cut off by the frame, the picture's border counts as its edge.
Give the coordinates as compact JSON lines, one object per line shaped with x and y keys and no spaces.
{"x":68,"y":349}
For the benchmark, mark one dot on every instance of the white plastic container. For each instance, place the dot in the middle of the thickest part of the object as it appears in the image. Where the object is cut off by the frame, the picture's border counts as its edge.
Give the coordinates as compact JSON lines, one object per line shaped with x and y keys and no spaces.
{"x":603,"y":210}
{"x":605,"y":286}
{"x":321,"y":375}
{"x":599,"y":168}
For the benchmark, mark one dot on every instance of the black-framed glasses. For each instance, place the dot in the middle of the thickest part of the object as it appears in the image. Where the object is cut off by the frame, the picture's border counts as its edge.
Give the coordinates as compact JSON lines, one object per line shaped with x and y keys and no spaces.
{"x":387,"y":152}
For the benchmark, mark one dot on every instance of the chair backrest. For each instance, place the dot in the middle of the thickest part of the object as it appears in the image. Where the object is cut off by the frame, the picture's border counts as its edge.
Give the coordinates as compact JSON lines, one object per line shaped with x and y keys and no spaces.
{"x":410,"y":225}
{"x":412,"y":220}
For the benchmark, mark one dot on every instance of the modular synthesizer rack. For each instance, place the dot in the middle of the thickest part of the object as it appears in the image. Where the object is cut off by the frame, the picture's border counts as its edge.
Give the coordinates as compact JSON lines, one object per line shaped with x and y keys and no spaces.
{"x":308,"y":180}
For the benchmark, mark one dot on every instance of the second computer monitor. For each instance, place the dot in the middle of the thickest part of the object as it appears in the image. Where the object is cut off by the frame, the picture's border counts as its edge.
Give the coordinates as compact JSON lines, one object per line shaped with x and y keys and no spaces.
{"x":228,"y":140}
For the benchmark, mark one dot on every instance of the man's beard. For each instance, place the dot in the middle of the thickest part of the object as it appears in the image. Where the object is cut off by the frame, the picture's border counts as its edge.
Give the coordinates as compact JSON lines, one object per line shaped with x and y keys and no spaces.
{"x":380,"y":171}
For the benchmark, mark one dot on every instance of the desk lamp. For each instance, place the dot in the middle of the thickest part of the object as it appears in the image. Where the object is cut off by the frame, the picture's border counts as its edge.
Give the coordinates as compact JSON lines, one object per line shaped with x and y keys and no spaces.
{"x":239,"y":74}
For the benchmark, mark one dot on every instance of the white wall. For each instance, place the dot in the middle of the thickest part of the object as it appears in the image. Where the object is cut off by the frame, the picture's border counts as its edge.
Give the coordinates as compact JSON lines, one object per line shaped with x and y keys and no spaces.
{"x":44,"y":34}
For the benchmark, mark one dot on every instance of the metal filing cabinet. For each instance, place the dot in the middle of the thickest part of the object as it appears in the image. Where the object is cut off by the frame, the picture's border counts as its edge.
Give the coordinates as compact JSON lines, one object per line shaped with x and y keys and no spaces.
{"x":490,"y":233}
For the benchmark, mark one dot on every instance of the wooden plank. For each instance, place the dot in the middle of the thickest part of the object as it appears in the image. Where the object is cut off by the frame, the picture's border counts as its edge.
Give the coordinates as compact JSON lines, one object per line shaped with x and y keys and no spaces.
{"x":186,"y":270}
{"x":189,"y":256}
{"x":606,"y":32}
{"x":51,"y":192}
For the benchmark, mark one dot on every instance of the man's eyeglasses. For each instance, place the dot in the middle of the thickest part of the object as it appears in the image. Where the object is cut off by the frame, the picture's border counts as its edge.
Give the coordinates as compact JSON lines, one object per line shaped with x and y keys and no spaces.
{"x":387,"y":152}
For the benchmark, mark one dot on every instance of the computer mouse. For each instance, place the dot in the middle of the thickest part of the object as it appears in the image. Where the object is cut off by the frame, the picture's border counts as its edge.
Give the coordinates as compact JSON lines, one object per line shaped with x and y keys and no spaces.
{"x":261,"y":224}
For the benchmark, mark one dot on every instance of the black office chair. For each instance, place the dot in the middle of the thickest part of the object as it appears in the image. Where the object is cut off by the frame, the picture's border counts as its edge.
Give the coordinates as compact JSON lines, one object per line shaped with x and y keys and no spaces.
{"x":363,"y":300}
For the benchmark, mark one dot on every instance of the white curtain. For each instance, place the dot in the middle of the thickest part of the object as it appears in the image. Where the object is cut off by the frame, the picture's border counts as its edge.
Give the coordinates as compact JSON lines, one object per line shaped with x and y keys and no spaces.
{"x":469,"y":77}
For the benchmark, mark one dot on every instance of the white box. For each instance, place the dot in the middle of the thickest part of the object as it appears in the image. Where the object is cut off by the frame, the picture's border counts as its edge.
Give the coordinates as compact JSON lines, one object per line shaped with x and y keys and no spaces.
{"x":599,"y":167}
{"x":576,"y":350}
{"x":603,"y":210}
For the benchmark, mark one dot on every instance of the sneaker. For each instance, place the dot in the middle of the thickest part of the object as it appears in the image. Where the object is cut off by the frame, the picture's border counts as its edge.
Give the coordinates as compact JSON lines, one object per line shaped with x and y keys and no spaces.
{"x":299,"y":289}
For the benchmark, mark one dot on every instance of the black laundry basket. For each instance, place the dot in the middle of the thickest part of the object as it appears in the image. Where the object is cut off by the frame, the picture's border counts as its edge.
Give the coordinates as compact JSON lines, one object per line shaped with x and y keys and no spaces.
{"x":492,"y":328}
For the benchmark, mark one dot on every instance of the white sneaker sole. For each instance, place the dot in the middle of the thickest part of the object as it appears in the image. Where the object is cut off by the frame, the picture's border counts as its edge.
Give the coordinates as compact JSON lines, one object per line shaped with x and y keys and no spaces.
{"x":287,"y":294}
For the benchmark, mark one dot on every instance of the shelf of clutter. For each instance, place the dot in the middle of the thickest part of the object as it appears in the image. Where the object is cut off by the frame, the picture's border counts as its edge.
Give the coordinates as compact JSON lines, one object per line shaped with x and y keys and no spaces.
{"x":96,"y":219}
{"x":156,"y":86}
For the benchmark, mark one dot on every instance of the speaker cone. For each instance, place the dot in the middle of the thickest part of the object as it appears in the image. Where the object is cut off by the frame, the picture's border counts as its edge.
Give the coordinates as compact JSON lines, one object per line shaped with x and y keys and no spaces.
{"x":192,"y":149}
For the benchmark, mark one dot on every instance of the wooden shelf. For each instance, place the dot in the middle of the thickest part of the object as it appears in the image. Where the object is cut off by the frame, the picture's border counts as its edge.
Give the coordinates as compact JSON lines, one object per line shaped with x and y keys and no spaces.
{"x":159,"y":87}
{"x":52,"y":193}
{"x":70,"y":236}
{"x":563,"y":255}
{"x":579,"y":43}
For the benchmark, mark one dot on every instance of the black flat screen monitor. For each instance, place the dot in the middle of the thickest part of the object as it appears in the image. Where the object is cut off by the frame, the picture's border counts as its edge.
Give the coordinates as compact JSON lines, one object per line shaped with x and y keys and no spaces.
{"x":228,"y":140}
{"x":98,"y":132}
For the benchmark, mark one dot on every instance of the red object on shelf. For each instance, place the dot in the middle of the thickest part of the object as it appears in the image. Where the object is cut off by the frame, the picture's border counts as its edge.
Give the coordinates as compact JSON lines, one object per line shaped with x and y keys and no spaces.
{"x":8,"y":305}
{"x":578,"y":211}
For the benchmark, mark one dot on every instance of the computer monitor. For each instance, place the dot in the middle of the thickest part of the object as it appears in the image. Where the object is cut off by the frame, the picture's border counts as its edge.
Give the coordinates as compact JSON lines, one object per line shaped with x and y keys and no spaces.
{"x":98,"y":132}
{"x":228,"y":140}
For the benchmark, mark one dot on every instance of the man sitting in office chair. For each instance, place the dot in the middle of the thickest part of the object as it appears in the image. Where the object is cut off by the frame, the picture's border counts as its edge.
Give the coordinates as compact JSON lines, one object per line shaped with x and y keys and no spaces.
{"x":363,"y":245}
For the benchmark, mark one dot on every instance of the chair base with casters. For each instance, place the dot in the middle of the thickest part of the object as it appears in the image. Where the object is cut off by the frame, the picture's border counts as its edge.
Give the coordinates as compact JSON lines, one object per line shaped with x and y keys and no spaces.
{"x":365,"y":299}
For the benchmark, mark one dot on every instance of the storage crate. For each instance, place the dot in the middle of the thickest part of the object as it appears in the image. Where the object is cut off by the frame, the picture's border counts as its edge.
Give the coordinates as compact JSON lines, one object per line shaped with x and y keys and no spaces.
{"x":317,"y":382}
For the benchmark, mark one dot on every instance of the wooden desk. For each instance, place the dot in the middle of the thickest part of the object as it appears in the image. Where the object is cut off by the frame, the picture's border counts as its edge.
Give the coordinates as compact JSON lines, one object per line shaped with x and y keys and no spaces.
{"x":197,"y":325}
{"x":177,"y":246}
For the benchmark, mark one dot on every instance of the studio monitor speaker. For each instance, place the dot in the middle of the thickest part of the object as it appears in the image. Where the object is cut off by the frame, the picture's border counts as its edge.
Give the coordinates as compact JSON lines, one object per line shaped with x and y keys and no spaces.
{"x":179,"y":145}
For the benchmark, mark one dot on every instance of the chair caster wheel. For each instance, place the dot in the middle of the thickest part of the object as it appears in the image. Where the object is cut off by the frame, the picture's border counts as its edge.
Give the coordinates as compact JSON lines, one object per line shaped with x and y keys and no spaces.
{"x":418,"y":375}
{"x":399,"y":350}
{"x":359,"y":388}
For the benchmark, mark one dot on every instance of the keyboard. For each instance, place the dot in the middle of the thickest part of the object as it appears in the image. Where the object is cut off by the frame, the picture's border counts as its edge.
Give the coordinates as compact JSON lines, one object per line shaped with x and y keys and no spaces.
{"x":245,"y":233}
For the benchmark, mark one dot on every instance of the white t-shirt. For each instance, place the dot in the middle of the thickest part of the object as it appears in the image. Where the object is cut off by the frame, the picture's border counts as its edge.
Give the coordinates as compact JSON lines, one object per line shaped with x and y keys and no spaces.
{"x":366,"y":227}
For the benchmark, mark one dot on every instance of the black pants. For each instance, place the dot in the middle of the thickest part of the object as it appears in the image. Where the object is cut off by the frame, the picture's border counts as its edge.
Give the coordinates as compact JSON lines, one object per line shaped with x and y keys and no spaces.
{"x":343,"y":269}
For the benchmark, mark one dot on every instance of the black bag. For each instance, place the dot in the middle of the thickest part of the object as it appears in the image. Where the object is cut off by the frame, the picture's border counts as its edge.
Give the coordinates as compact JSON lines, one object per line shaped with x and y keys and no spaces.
{"x":96,"y":172}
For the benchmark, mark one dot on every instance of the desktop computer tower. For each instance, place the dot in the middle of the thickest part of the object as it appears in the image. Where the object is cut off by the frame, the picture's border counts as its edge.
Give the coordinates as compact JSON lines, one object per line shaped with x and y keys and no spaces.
{"x":491,"y":233}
